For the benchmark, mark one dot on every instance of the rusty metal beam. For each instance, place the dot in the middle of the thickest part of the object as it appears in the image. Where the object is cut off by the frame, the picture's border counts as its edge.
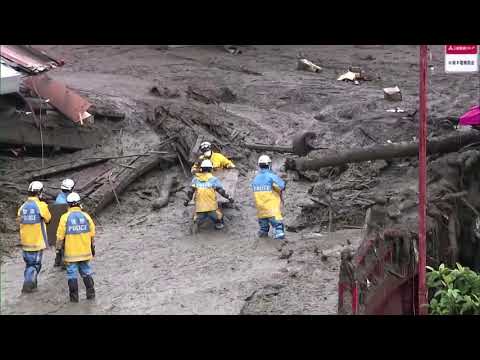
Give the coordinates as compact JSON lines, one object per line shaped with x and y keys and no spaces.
{"x":65,"y":100}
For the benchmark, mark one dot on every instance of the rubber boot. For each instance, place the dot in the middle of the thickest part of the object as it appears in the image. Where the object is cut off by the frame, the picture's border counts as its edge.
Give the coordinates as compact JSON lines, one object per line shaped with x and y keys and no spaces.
{"x":73,"y":288}
{"x":219,"y":224}
{"x":28,"y":287}
{"x":58,"y":259}
{"x":89,"y":285}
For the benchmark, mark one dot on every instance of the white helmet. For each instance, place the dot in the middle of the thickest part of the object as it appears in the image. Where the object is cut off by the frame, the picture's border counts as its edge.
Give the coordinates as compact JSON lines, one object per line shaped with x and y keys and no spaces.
{"x":205,"y":146}
{"x":73,"y":199}
{"x":206,"y":164}
{"x":35,"y":187}
{"x":264,"y":160}
{"x":67,"y":184}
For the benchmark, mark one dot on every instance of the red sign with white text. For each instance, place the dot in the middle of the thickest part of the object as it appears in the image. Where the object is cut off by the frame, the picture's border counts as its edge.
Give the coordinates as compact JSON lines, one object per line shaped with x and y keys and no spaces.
{"x":461,"y":49}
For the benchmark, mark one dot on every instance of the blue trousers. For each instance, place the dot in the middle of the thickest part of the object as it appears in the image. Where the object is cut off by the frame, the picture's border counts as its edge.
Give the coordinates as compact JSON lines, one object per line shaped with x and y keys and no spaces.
{"x":215,"y":217}
{"x":33,"y":265}
{"x":83,"y":267}
{"x":277,"y":226}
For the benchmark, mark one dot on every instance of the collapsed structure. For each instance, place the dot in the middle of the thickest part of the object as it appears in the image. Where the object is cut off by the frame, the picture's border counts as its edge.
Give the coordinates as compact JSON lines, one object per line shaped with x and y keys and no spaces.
{"x":36,"y":110}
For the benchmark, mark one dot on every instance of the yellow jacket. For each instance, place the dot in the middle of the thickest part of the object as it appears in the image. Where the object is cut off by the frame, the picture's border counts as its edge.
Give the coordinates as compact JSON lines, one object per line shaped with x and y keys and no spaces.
{"x":205,"y":185}
{"x":267,"y":188}
{"x":218,"y":161}
{"x":32,"y":216}
{"x":76,"y":229}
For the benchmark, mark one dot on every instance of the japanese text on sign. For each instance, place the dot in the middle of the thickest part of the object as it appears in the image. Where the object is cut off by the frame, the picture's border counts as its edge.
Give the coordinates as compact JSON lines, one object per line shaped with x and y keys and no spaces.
{"x":461,"y":58}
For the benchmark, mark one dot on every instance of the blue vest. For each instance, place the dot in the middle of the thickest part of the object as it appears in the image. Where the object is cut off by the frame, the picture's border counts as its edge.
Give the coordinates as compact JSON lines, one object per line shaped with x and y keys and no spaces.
{"x":265,"y":180}
{"x":213,"y":182}
{"x":77,"y":223}
{"x":30,"y":213}
{"x":61,"y":198}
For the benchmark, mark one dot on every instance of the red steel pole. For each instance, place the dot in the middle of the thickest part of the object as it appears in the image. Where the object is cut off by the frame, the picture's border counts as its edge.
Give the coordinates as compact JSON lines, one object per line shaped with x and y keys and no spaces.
{"x":422,"y":183}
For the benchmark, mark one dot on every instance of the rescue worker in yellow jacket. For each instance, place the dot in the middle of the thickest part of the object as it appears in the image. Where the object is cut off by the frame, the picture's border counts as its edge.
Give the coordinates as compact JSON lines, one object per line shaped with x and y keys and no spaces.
{"x":267,"y":189}
{"x":32,"y":216}
{"x":75,"y":235}
{"x":205,"y":187}
{"x":218,"y":160}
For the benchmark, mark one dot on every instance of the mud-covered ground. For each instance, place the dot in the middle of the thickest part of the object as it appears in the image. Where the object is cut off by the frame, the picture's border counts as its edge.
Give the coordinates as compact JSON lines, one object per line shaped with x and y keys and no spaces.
{"x":156,"y":267}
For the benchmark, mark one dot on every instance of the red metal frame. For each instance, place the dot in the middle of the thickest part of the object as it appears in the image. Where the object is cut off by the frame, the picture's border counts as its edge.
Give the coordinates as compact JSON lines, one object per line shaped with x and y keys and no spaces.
{"x":422,"y":183}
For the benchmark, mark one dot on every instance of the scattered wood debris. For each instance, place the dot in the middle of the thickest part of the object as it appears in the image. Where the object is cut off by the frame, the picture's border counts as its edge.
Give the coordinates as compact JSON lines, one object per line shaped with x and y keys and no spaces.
{"x":307,"y":65}
{"x":164,"y":92}
{"x":117,"y":183}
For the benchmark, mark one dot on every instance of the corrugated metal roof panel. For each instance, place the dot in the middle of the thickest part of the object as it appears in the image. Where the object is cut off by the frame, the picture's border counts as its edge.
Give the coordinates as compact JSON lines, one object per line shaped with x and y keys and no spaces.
{"x":28,"y":59}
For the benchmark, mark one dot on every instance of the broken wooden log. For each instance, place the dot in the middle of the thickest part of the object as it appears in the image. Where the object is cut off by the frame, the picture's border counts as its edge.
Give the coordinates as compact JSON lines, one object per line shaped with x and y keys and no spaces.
{"x":265,"y":147}
{"x":301,"y":145}
{"x":110,"y":190}
{"x":385,"y":152}
{"x":58,"y":169}
{"x":165,"y":190}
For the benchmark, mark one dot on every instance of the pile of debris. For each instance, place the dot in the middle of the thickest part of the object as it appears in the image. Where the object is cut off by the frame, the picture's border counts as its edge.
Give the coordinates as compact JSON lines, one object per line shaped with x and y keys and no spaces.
{"x":378,"y":276}
{"x":38,"y":111}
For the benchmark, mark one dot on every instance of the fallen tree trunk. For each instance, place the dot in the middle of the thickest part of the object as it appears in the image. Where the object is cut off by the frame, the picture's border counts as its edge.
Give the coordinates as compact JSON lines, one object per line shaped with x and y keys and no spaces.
{"x":385,"y":152}
{"x":165,"y":190}
{"x":114,"y":186}
{"x":264,"y":147}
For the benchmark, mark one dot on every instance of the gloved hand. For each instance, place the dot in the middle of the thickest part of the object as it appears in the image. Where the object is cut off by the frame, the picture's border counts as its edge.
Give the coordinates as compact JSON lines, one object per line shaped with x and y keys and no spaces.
{"x":93,"y":249}
{"x":231,"y":200}
{"x":186,"y":202}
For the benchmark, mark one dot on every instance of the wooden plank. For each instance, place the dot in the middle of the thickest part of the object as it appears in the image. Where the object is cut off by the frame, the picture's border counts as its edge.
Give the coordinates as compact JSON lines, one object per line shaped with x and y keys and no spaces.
{"x":57,"y":210}
{"x":85,"y":178}
{"x":58,"y":169}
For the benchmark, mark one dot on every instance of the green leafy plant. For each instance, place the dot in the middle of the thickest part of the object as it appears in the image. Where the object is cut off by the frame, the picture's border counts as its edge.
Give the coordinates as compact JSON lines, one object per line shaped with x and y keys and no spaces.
{"x":455,"y":291}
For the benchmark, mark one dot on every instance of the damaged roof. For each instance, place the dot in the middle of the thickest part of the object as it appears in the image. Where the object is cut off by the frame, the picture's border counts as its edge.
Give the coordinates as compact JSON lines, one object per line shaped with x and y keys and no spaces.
{"x":27,"y":59}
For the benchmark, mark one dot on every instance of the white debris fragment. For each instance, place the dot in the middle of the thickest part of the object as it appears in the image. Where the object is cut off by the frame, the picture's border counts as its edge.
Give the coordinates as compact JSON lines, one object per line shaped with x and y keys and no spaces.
{"x":306,"y":65}
{"x":349,"y":75}
{"x":392,"y":94}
